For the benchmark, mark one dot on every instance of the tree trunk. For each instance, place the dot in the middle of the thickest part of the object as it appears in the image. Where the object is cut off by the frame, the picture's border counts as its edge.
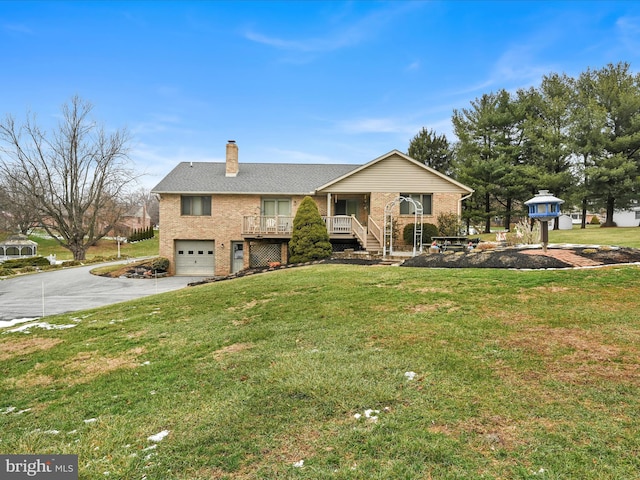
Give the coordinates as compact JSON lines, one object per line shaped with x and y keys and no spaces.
{"x":584,"y":214}
{"x":611,"y":203}
{"x":507,"y":217}
{"x":79,"y":251}
{"x":487,"y":209}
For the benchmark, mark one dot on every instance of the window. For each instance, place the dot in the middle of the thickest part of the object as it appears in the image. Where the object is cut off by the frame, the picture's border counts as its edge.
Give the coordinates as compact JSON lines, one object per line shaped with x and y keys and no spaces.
{"x":406,"y":208}
{"x":195,"y":205}
{"x":347,"y":207}
{"x":276,"y":206}
{"x":637,"y":214}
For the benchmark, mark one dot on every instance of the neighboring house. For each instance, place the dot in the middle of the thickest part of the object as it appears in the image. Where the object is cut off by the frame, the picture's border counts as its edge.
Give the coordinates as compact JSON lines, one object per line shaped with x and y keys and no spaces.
{"x":135,"y":218}
{"x":576,"y":218}
{"x":219,"y":218}
{"x":627,"y":218}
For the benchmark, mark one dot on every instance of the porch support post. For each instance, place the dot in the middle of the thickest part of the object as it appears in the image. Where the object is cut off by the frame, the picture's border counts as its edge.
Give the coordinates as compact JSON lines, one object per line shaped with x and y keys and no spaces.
{"x":328,"y":204}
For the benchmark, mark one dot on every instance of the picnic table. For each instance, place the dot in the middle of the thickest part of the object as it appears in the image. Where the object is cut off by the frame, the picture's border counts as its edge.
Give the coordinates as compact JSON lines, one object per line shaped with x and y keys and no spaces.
{"x":452,"y":243}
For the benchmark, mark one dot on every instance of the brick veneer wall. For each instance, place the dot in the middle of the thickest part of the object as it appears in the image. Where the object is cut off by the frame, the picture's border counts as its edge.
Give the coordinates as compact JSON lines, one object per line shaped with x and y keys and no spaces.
{"x":223,"y":226}
{"x":440,"y":203}
{"x":227,"y":212}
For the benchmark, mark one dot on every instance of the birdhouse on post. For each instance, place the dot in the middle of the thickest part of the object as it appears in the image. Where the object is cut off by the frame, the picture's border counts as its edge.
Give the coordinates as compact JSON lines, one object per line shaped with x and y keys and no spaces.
{"x":544,"y":207}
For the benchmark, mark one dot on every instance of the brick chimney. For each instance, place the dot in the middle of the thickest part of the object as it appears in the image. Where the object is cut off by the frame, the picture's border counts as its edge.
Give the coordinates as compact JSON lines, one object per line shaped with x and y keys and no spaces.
{"x":232,"y":159}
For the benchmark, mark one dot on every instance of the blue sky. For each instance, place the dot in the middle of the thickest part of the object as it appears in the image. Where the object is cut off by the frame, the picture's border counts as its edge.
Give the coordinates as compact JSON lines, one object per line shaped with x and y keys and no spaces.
{"x":294,"y":82}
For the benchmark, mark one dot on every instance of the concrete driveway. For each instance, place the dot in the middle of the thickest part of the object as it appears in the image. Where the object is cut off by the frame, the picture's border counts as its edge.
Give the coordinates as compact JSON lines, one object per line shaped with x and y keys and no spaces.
{"x":73,"y":289}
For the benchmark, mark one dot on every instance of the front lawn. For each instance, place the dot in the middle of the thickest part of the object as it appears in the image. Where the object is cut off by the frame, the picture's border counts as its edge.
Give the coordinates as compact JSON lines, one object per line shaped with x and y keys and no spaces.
{"x":346,"y":372}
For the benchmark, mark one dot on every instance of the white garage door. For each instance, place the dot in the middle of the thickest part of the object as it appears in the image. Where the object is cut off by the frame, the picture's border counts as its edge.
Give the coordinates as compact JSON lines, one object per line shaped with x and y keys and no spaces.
{"x":194,"y":257}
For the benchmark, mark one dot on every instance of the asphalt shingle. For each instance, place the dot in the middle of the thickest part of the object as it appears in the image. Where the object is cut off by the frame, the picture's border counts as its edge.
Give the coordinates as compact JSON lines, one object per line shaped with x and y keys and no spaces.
{"x":263,"y":178}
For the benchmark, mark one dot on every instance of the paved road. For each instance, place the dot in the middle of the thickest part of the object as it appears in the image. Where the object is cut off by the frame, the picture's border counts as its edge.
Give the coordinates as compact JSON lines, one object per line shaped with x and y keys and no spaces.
{"x":74,"y":289}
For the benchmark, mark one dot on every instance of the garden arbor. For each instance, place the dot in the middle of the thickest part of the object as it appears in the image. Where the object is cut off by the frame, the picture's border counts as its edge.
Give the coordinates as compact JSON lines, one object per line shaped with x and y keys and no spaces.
{"x":387,"y":244}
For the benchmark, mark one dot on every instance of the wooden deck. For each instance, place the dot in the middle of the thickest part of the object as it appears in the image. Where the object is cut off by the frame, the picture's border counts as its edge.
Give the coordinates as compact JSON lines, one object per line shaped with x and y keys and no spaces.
{"x":282,"y":226}
{"x":339,"y":227}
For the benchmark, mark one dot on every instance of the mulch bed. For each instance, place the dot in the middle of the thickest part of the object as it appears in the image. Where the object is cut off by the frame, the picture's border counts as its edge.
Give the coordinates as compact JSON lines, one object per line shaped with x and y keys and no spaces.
{"x":515,"y":258}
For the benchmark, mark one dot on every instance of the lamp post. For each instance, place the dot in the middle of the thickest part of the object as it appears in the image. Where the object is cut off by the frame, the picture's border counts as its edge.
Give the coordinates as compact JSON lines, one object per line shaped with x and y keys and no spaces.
{"x":544,"y":207}
{"x":119,"y":239}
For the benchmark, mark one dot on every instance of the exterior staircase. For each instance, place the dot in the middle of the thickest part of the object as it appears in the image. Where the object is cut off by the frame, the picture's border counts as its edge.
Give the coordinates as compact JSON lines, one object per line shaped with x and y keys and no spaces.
{"x":373,"y":245}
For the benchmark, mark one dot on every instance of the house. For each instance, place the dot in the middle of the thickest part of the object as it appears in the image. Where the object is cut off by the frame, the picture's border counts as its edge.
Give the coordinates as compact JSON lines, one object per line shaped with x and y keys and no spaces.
{"x":218,"y":218}
{"x":136,"y":218}
{"x":629,"y":217}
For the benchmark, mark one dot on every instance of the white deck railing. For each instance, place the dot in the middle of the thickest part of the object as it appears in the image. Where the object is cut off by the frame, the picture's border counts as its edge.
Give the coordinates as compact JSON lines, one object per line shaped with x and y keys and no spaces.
{"x":265,"y":225}
{"x":338,"y":224}
{"x":283,"y":225}
{"x":375,"y":230}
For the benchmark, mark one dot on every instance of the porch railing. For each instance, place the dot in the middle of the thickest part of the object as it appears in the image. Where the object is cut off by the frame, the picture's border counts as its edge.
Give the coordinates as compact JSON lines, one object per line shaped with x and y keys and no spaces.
{"x":283,"y":225}
{"x":375,"y":230}
{"x":360,"y":231}
{"x":266,"y":225}
{"x":339,"y":224}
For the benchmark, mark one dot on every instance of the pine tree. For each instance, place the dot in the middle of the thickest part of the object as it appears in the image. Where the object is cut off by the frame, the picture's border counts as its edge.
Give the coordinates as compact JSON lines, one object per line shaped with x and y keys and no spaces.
{"x":309,"y":239}
{"x":433,"y":150}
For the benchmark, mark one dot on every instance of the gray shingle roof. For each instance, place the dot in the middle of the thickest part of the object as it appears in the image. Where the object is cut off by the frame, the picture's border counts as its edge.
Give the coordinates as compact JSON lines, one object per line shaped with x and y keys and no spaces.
{"x":263,"y":178}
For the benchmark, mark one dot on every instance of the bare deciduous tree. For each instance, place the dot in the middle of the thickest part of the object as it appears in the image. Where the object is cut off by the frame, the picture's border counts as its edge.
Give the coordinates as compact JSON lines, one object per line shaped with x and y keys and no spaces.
{"x":20,"y":212}
{"x":76,"y":175}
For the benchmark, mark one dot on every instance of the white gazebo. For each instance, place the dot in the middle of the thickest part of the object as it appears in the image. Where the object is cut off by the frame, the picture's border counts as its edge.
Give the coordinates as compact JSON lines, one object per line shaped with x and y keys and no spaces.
{"x":17,"y":246}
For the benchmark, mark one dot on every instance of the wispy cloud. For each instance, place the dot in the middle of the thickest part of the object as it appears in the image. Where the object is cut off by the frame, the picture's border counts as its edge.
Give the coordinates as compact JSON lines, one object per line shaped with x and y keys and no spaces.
{"x":154,"y":162}
{"x":309,"y":45}
{"x":348,"y":33}
{"x":413,"y":66}
{"x":17,"y":28}
{"x":159,"y":123}
{"x":628,"y":29}
{"x":296,"y":156}
{"x":519,"y":65}
{"x":378,"y":125}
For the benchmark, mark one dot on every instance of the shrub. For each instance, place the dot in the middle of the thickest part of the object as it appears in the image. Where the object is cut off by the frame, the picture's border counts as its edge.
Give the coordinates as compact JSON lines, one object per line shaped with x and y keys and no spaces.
{"x":6,"y":272}
{"x":160,"y":264}
{"x":51,"y":267}
{"x":429,"y":230}
{"x":524,"y":233}
{"x":26,"y":262}
{"x":449,"y":224}
{"x":309,"y":239}
{"x":595,"y":220}
{"x":71,"y":263}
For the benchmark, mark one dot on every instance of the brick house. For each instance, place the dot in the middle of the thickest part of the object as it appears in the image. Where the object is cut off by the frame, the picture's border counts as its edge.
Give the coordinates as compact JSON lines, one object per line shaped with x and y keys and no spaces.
{"x":218,"y":218}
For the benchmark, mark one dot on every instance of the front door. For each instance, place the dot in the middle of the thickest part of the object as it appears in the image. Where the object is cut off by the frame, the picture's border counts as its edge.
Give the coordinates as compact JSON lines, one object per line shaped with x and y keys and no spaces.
{"x":237,"y":259}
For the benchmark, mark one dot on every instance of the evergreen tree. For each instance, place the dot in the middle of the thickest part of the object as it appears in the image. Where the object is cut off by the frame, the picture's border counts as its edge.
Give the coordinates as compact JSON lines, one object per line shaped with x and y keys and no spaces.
{"x":309,"y":239}
{"x":615,"y":175}
{"x":490,"y":157}
{"x":433,"y":150}
{"x":547,"y":146}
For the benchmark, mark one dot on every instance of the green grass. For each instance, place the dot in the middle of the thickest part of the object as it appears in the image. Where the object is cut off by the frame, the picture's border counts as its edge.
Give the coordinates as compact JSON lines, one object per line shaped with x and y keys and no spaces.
{"x":519,"y":375}
{"x":104,"y":248}
{"x":592,"y":235}
{"x":596,"y":235}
